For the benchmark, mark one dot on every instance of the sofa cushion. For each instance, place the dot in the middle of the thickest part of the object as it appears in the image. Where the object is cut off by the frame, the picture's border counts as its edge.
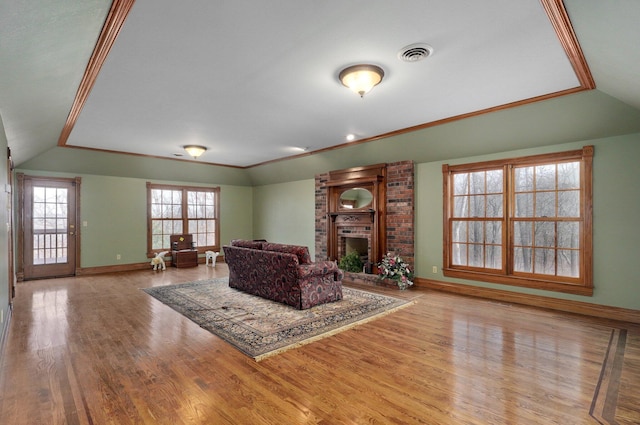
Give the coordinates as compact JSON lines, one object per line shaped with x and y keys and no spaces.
{"x":246,"y":244}
{"x":302,"y":252}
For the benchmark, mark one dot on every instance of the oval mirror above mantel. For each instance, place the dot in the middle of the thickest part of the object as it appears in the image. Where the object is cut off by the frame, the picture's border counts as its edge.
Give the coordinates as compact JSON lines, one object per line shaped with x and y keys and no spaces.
{"x":355,"y":198}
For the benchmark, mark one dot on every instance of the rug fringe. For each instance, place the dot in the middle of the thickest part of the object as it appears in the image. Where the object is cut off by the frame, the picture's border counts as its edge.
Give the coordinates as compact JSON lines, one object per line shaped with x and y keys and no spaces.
{"x":330,"y":333}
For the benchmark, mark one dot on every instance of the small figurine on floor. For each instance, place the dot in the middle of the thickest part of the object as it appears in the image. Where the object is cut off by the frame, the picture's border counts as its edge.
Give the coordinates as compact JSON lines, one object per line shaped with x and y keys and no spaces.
{"x":158,"y":261}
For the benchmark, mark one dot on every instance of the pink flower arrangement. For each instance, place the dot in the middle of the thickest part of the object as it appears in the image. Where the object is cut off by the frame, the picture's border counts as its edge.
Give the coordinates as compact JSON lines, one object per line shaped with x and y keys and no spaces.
{"x":393,"y":267}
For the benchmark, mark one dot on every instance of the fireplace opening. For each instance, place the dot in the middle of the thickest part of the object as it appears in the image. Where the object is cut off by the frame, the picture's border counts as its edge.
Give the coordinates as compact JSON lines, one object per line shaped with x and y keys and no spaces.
{"x":359,"y":245}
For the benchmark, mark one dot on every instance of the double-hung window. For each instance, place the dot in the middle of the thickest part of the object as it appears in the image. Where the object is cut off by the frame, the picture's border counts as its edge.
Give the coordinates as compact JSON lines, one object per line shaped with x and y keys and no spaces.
{"x":521,"y":221}
{"x":177,"y":210}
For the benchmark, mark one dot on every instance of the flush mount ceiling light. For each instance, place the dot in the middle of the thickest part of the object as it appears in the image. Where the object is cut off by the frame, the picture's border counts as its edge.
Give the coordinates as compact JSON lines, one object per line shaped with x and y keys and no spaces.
{"x":195,"y":150}
{"x":361,"y":78}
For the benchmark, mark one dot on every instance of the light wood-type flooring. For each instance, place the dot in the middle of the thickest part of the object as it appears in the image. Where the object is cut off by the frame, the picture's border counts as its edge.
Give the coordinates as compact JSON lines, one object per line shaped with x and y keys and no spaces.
{"x":98,"y":350}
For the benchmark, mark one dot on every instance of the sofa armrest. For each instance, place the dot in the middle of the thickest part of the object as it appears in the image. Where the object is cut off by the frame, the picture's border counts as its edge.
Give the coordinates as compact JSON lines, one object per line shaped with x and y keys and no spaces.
{"x":320,"y":268}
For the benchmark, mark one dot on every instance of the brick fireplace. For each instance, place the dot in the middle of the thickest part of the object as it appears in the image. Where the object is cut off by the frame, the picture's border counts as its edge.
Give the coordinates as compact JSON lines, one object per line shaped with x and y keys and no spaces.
{"x":386,"y":223}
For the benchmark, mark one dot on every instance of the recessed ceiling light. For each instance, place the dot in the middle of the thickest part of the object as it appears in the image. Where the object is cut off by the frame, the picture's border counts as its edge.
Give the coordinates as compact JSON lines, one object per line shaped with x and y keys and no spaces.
{"x":351,"y":137}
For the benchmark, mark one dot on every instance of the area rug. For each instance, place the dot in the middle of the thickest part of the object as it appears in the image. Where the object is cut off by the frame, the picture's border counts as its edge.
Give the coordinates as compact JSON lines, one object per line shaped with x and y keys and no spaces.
{"x":261,"y":328}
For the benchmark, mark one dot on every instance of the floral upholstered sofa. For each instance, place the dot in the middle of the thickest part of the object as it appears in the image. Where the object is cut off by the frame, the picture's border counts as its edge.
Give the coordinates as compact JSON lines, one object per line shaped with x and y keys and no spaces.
{"x":283,"y":273}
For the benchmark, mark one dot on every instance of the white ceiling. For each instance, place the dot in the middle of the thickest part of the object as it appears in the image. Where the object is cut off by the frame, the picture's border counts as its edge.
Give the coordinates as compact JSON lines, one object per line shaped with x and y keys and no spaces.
{"x":252,"y":81}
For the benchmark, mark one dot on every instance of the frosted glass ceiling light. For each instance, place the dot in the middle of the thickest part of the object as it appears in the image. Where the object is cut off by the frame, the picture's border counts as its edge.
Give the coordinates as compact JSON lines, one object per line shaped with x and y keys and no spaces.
{"x":194,"y":150}
{"x":361,"y":78}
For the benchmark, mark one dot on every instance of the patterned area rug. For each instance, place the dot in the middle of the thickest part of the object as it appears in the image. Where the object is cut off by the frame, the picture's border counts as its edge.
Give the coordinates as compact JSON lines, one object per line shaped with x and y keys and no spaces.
{"x":261,"y":328}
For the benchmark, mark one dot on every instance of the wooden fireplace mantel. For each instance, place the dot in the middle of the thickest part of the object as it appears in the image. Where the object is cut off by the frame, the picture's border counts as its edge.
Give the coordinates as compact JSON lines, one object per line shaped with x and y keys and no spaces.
{"x":353,"y":215}
{"x":369,"y":220}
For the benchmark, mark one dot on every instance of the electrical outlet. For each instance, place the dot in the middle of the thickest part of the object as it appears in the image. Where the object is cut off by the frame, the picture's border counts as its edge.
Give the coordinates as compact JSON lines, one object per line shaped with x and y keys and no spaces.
{"x":118,"y":257}
{"x":434,"y":269}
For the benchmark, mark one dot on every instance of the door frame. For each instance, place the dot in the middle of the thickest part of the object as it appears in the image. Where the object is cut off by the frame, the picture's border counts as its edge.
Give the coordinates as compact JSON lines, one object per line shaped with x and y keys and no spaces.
{"x":10,"y":223}
{"x":20,"y":243}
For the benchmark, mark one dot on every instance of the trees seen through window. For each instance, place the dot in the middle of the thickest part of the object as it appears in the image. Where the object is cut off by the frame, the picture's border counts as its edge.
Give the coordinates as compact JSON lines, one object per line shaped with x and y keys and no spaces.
{"x":176,"y":210}
{"x":523,"y":221}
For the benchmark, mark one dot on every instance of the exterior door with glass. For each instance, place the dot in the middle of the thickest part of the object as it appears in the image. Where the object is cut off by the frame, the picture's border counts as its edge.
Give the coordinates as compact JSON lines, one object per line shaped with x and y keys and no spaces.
{"x":49,"y":248}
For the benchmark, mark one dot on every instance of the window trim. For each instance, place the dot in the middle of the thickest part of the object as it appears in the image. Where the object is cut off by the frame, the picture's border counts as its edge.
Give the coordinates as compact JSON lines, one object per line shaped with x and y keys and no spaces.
{"x":581,"y":286}
{"x":201,"y":249}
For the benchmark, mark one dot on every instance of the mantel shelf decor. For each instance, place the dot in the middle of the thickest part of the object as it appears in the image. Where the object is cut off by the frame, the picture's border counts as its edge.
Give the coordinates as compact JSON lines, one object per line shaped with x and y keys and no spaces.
{"x":346,"y":215}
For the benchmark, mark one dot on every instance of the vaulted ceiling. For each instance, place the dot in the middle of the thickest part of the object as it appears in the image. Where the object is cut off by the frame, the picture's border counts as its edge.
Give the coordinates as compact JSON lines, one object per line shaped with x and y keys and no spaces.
{"x":256,"y":82}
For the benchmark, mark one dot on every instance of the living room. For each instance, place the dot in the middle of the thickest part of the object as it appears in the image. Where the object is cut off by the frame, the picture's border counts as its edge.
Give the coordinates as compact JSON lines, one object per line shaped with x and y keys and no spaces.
{"x":276,"y":200}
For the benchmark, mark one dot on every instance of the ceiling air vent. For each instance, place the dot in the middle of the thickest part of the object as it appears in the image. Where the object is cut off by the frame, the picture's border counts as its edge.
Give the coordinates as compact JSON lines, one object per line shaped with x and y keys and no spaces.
{"x":415,"y":52}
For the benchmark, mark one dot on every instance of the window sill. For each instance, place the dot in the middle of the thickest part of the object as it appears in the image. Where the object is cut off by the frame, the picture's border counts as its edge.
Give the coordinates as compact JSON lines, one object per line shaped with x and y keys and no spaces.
{"x":568,"y":288}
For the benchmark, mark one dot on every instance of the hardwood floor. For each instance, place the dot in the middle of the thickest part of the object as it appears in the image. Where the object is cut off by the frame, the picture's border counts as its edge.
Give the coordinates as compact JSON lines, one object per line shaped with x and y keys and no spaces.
{"x":97,"y":350}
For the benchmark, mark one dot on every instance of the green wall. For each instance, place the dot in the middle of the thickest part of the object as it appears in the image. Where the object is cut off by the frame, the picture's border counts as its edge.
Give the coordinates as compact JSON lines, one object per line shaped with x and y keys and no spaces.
{"x":285,"y":212}
{"x":4,"y":236}
{"x":115,"y":211}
